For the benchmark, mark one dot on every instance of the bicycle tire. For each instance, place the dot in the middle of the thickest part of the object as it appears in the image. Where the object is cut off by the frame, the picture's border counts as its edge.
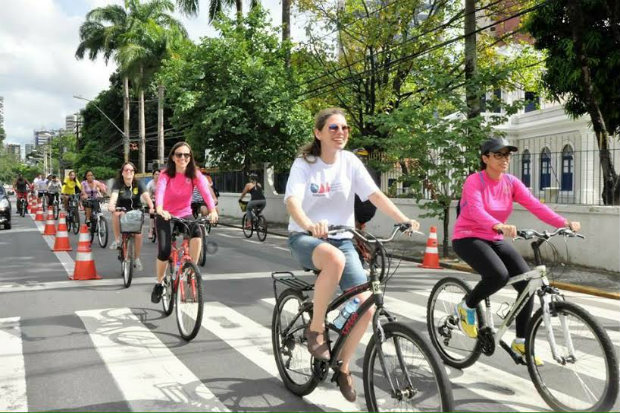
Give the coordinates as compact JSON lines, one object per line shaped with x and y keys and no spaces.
{"x":153,"y":236}
{"x":167,"y":297}
{"x":261,"y":228}
{"x":422,"y":380}
{"x":202,"y":258}
{"x":246,"y":225}
{"x":454,"y":347}
{"x":76,"y":221}
{"x":102,"y":232}
{"x":189,"y":291}
{"x":303,"y":380}
{"x":597,"y":372}
{"x":128,"y":262}
{"x":56,"y":210}
{"x":22,"y":209}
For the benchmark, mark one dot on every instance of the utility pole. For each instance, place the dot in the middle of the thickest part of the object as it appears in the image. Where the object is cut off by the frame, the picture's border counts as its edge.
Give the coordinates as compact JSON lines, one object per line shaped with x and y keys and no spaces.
{"x":126,"y":117}
{"x":160,"y":125}
{"x":77,"y":133}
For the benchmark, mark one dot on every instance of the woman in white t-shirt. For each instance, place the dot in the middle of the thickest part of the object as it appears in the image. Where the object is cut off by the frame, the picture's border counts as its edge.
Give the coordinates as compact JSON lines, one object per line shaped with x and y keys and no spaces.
{"x":321,"y":191}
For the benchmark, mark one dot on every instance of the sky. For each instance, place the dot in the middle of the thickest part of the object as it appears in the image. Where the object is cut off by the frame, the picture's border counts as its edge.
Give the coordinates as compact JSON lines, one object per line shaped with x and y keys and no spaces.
{"x":39,"y":73}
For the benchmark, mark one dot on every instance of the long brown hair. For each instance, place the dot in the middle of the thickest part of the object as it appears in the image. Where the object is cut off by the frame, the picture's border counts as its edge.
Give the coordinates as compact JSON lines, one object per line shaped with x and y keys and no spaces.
{"x":119,"y":176}
{"x":171,"y":168}
{"x":312,"y":150}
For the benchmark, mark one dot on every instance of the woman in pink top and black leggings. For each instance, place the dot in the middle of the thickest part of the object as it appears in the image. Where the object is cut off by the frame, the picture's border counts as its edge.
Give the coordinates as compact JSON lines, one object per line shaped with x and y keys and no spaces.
{"x":478,"y":238}
{"x":173,"y":197}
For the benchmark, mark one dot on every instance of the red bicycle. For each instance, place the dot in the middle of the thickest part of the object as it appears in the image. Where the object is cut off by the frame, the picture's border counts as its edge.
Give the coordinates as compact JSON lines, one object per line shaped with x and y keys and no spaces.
{"x":183,"y":281}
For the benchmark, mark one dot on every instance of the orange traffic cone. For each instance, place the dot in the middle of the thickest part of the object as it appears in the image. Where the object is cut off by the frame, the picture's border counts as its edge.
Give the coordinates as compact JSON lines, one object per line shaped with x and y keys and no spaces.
{"x":61,"y":243}
{"x":50,"y":228}
{"x":29,"y":205}
{"x":84,"y":263}
{"x":431,"y":254}
{"x":39,"y":215}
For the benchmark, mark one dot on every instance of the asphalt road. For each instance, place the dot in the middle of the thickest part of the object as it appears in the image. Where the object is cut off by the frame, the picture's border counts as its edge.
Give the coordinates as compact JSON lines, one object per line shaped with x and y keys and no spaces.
{"x":95,"y":346}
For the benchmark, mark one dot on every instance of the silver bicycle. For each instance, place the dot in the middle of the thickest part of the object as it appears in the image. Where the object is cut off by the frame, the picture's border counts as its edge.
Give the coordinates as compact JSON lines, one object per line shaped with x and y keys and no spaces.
{"x":569,"y":356}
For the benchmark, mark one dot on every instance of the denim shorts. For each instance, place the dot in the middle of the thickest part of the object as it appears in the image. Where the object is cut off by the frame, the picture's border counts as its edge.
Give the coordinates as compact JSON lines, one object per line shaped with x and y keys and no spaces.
{"x":302,"y":246}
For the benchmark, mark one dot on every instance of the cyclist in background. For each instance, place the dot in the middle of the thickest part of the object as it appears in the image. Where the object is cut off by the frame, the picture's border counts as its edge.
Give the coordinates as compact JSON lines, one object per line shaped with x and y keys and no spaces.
{"x":70,"y":186}
{"x":478,"y":236}
{"x":174,"y":198}
{"x":150,"y":188}
{"x":92,"y":190}
{"x":21,"y":185}
{"x":53,"y":189}
{"x":320,"y":192}
{"x":257,"y":198}
{"x":41,"y":186}
{"x":128,"y":193}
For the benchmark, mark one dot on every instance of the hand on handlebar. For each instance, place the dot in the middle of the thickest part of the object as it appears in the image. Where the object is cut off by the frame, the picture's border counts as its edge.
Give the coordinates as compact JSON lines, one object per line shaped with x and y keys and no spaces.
{"x":213,"y":217}
{"x":574,"y":226}
{"x":164,"y":214}
{"x":414,"y":226}
{"x":318,"y":229}
{"x":507,"y":230}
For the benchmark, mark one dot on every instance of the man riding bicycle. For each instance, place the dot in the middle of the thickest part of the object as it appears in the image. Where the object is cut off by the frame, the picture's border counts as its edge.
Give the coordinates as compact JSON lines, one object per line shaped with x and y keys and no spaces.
{"x":21,"y":185}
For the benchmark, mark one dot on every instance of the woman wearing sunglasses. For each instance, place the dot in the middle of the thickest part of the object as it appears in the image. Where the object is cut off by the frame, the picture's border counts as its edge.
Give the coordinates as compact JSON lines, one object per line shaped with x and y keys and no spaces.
{"x":321,"y":191}
{"x":478,"y":237}
{"x":173,"y":197}
{"x":127,"y":193}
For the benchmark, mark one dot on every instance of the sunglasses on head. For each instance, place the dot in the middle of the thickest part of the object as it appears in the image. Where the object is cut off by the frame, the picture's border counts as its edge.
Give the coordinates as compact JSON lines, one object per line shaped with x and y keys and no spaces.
{"x":334,"y":128}
{"x":180,"y":155}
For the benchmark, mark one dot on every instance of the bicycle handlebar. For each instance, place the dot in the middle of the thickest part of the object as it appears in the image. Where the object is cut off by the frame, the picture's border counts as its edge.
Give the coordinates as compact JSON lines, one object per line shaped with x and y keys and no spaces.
{"x":531,"y":233}
{"x":339,"y":229}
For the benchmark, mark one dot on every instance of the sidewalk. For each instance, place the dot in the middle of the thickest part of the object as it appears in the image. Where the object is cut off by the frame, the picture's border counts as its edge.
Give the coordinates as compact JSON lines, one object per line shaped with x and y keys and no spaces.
{"x":570,"y":278}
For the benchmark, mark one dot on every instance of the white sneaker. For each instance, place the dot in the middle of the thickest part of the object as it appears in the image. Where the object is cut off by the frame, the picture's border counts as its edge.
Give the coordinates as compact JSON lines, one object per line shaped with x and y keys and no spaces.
{"x":114,"y":245}
{"x":137,"y":264}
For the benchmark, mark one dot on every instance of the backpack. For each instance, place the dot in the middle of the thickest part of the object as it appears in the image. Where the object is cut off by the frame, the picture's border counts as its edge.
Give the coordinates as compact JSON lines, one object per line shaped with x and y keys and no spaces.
{"x":458,"y":204}
{"x":364,"y":211}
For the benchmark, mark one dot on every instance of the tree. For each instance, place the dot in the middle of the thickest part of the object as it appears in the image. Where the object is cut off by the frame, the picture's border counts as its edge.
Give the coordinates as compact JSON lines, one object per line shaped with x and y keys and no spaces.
{"x":582,"y":41}
{"x":238,"y":105}
{"x":216,"y":7}
{"x":2,"y":135}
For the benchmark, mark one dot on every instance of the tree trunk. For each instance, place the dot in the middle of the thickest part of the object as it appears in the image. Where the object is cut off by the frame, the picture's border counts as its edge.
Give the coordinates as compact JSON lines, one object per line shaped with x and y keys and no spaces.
{"x":445,"y":245}
{"x":611,"y":187}
{"x":286,"y":28}
{"x":239,"y":7}
{"x":126,"y":118}
{"x":160,"y":126}
{"x":142,"y":128}
{"x":471,"y":62}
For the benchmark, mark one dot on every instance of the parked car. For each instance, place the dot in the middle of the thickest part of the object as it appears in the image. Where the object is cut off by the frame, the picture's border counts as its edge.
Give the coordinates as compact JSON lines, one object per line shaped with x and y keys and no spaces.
{"x":5,"y":209}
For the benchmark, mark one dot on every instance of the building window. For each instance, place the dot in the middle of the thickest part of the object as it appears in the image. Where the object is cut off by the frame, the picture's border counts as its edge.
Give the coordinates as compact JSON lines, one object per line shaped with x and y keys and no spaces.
{"x":567,"y":168}
{"x":545,"y":168}
{"x":532,"y":101}
{"x":526,"y":168}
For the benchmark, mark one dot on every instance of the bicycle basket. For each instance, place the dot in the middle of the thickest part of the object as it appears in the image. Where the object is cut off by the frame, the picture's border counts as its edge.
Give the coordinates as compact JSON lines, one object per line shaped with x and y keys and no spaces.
{"x":132,"y":221}
{"x":243,"y":205}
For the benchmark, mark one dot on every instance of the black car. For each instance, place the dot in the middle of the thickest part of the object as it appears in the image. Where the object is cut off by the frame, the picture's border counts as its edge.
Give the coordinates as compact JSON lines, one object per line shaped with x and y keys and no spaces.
{"x":5,"y":209}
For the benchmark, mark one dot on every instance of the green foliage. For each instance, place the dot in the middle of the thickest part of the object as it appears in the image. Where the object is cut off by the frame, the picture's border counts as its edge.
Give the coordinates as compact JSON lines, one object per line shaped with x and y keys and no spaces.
{"x":234,"y":96}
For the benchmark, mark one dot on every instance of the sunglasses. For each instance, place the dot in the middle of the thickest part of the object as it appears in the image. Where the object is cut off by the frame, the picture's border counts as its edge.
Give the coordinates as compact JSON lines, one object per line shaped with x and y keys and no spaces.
{"x":500,"y":155}
{"x":334,"y":128}
{"x":180,"y":155}
{"x":129,"y":170}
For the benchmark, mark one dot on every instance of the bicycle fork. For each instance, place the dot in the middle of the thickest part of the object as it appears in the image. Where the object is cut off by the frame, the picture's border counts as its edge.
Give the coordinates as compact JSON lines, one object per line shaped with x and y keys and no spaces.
{"x":545,"y":301}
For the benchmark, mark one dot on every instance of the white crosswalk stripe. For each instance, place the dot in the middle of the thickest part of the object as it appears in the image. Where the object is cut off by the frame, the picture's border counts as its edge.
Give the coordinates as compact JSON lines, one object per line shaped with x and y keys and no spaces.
{"x":13,"y":396}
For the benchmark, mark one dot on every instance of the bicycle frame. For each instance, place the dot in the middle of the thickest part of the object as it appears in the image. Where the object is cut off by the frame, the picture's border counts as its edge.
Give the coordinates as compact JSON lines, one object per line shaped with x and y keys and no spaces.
{"x":174,"y":258}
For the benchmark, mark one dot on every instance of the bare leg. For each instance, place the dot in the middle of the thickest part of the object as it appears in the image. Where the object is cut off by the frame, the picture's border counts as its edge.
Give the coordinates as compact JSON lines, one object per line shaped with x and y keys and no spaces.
{"x":160,"y":267}
{"x":138,"y":244}
{"x":348,"y":350}
{"x":195,"y":244}
{"x":331,"y":262}
{"x":116,"y":225}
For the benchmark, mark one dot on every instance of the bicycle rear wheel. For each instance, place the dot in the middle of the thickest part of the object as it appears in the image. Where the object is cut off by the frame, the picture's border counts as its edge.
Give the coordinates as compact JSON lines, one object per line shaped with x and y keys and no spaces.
{"x":261,"y":228}
{"x":455,"y":348}
{"x":404,"y":374}
{"x":167,"y":296}
{"x":76,"y":221}
{"x":56,"y":210}
{"x":189,"y":303}
{"x":246,"y":225}
{"x":584,"y":379}
{"x":290,"y":349}
{"x":102,"y":232}
{"x":22,"y":208}
{"x":127,"y":262}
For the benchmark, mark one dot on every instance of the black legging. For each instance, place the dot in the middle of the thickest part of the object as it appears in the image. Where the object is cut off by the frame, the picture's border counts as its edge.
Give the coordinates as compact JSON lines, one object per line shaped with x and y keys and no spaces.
{"x":164,"y":236}
{"x":496,"y":262}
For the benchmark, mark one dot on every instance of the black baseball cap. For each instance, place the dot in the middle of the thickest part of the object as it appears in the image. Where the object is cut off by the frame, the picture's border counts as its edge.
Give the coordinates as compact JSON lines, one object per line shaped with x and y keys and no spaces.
{"x":496,"y":145}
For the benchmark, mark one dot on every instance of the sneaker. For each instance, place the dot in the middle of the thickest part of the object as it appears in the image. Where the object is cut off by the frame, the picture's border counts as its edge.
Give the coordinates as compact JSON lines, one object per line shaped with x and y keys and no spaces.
{"x":519,"y":348}
{"x":137,"y":264}
{"x":468,"y":319}
{"x":114,"y":245}
{"x":158,"y":290}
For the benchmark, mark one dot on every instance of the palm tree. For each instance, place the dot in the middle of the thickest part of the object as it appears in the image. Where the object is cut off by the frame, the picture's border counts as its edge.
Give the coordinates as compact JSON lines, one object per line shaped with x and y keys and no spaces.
{"x":191,"y":7}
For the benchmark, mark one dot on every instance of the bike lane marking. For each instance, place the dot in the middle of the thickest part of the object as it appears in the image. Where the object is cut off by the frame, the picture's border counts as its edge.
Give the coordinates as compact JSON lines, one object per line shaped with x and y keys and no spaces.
{"x":148,"y":374}
{"x":253,"y":341}
{"x":63,"y":257}
{"x":13,"y":396}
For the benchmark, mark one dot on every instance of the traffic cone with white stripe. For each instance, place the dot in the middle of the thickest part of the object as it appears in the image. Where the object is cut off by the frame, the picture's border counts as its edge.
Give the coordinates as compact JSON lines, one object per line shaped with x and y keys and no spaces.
{"x":39,"y":215}
{"x":84,"y":263}
{"x":61,"y":243}
{"x":50,"y":227}
{"x":431,"y":254}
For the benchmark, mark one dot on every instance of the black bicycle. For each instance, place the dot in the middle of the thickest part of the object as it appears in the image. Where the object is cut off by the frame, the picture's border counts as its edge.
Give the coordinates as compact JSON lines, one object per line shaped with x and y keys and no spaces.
{"x":73,"y":214}
{"x":22,"y":205}
{"x":98,"y":223}
{"x":253,"y":221}
{"x":401,"y":370}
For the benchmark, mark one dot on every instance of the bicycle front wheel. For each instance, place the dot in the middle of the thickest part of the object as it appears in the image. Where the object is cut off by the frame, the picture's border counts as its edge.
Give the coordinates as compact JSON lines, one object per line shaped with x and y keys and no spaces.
{"x":189,"y":303}
{"x":127,"y":262}
{"x":102,"y":232}
{"x":76,"y":221}
{"x":261,"y":228}
{"x":583,"y":376}
{"x":56,"y":210}
{"x":202,"y":258}
{"x":246,"y":225}
{"x":455,"y":348}
{"x":290,"y":349}
{"x":167,"y":296}
{"x":404,"y":373}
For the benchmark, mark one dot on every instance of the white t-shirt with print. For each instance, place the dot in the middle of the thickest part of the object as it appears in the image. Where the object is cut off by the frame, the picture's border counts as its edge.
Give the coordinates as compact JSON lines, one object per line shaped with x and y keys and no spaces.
{"x":327,"y":191}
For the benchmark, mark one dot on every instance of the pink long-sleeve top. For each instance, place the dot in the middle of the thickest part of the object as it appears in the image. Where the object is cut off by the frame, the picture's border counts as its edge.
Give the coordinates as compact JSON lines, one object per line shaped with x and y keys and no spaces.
{"x":175,"y":194}
{"x":486,"y":202}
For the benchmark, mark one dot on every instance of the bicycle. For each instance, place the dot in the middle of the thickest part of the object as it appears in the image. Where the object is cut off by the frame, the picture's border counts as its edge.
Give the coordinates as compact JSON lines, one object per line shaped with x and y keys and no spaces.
{"x":416,"y":380}
{"x":98,"y":223}
{"x":56,"y":205}
{"x":554,"y":340}
{"x":251,"y":222}
{"x":183,"y":283}
{"x":126,"y":249}
{"x":73,"y":214}
{"x":22,"y":206}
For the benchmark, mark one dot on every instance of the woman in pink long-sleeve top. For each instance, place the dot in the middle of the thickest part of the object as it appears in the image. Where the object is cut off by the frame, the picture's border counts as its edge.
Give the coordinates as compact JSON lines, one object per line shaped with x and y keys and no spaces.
{"x":173,"y":197}
{"x":478,"y":237}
